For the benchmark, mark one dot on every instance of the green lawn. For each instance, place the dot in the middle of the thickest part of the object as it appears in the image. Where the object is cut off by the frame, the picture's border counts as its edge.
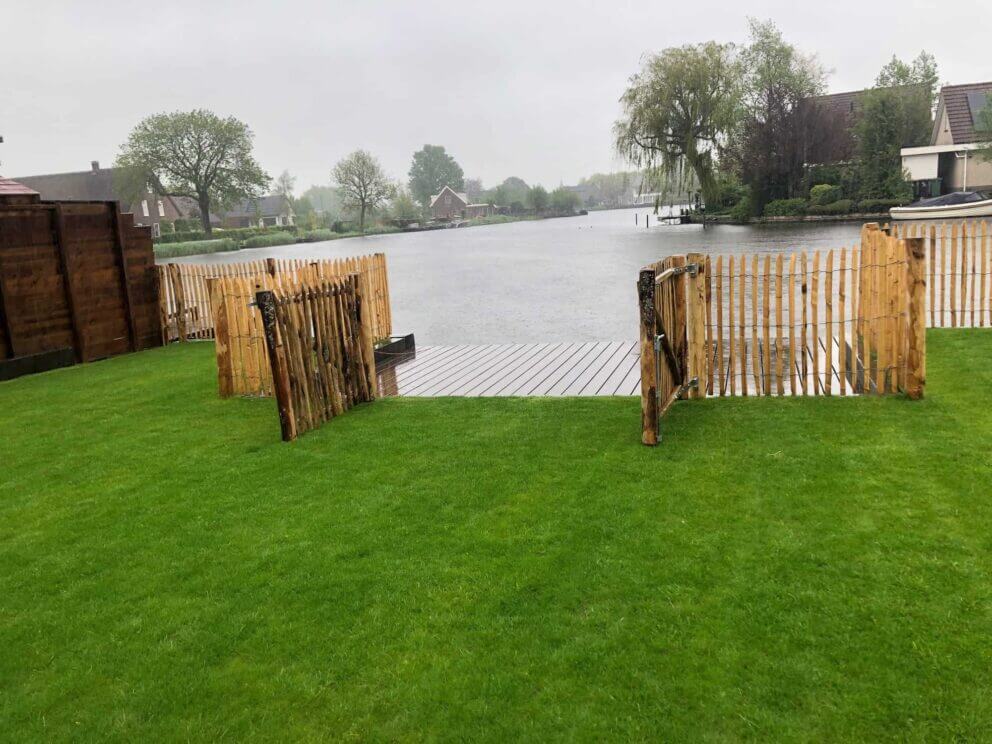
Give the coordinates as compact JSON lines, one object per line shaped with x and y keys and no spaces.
{"x":493,"y":569}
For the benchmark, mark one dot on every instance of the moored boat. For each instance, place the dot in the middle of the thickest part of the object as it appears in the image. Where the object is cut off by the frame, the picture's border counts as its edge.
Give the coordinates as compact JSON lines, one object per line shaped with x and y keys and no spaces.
{"x":958,"y":205}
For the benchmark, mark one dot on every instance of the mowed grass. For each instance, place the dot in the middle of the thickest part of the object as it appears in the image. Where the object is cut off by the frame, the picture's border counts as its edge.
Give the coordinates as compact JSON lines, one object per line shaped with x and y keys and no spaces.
{"x":493,"y":569}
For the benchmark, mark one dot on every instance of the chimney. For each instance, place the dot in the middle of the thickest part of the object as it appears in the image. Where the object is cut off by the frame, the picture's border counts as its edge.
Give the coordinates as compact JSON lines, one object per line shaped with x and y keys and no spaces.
{"x":95,"y":165}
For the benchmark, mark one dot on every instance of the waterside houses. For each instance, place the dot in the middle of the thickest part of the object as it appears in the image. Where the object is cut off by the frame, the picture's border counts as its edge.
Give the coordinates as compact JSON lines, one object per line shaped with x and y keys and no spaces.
{"x":950,"y":162}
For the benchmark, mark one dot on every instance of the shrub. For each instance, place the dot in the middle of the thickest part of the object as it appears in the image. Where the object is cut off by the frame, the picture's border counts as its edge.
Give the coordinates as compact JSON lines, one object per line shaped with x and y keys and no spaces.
{"x":186,"y":225}
{"x":878,"y":206}
{"x":166,"y":227}
{"x":271,"y":238}
{"x":785,"y":208}
{"x":841,"y":206}
{"x":194,"y":247}
{"x":743,"y":210}
{"x":315,"y":236}
{"x":180,"y":237}
{"x":823,"y":194}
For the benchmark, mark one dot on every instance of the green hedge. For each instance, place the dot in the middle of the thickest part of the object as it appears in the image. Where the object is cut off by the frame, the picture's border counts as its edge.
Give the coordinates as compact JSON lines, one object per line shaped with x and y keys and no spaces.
{"x":824,"y":194}
{"x":841,"y":206}
{"x":743,"y":210}
{"x":874,"y":206}
{"x":182,"y":237}
{"x":785,"y":208}
{"x":315,"y":236}
{"x":237,"y":233}
{"x":194,"y":247}
{"x":271,"y":238}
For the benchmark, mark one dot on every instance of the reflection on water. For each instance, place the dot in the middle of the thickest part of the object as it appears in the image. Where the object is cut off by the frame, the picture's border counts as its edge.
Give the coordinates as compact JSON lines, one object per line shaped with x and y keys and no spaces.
{"x":569,"y":279}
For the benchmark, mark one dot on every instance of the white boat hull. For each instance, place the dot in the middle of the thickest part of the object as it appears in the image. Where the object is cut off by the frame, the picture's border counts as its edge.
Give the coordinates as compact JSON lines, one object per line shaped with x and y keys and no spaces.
{"x":950,"y":211}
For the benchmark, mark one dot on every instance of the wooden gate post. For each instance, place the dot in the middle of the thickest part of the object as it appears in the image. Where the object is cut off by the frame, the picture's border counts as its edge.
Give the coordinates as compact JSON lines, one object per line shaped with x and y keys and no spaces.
{"x":277,"y":360}
{"x":916,"y":285}
{"x":696,"y":325}
{"x":649,"y":356}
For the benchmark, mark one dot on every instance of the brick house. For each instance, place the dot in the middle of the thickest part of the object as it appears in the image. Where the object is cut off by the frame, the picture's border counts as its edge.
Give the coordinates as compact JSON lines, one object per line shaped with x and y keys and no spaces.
{"x":449,"y":204}
{"x":827,"y":124}
{"x":98,"y":184}
{"x":273,"y":210}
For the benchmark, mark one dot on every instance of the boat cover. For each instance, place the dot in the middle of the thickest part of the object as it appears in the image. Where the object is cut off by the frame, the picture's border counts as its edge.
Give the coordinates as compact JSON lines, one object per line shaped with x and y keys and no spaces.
{"x":950,"y":200}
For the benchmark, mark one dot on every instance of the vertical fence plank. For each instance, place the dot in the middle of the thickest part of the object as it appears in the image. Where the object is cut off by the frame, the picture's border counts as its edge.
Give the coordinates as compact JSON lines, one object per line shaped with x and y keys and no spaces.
{"x":755,"y":348}
{"x":804,"y":351}
{"x":983,"y":270}
{"x":718,"y":278}
{"x":708,"y":292}
{"x":972,"y":255}
{"x":792,"y":324}
{"x":828,"y":335}
{"x":814,"y":301}
{"x":842,"y":325}
{"x":280,"y":374}
{"x":696,"y":328}
{"x":742,"y":323}
{"x":766,"y":362}
{"x":731,"y":362}
{"x":933,"y":270}
{"x":779,"y":351}
{"x":953,"y":275}
{"x":916,"y":284}
{"x":649,"y":356}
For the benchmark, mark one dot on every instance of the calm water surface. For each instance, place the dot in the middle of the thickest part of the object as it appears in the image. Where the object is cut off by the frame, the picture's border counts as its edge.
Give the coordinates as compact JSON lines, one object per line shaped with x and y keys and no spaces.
{"x":569,"y":279}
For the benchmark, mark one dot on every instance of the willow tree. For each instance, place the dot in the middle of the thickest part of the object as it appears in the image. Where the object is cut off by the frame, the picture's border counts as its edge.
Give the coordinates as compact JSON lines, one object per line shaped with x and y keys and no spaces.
{"x":677,"y":111}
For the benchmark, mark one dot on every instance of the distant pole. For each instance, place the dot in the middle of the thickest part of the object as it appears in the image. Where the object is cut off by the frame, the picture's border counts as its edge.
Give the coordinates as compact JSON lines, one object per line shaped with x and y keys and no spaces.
{"x":647,"y":220}
{"x":635,"y":218}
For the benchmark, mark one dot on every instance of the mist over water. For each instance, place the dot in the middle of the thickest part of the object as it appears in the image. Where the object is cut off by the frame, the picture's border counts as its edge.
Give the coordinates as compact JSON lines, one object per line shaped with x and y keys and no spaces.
{"x":567,"y":279}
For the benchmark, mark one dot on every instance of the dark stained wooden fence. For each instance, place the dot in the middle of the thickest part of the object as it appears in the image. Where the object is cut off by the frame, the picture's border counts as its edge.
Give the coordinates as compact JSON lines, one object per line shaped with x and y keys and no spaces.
{"x":77,"y":279}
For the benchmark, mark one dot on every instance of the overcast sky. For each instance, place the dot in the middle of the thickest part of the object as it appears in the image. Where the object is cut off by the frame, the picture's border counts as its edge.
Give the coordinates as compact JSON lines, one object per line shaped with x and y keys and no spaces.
{"x":527,"y":89}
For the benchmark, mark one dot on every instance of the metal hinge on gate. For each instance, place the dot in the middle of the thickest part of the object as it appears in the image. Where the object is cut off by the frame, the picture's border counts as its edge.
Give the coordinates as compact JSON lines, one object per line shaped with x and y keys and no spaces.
{"x":692,"y":269}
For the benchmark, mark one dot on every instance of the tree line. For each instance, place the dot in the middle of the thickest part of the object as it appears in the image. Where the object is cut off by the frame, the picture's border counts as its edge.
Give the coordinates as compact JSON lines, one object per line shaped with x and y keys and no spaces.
{"x":208,"y":159}
{"x":737,"y":121}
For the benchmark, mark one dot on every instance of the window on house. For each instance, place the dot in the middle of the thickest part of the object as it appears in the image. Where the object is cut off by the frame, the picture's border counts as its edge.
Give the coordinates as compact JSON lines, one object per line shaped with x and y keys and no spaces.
{"x":156,"y":230}
{"x":144,"y":207}
{"x":161,"y":208}
{"x":447,"y":199}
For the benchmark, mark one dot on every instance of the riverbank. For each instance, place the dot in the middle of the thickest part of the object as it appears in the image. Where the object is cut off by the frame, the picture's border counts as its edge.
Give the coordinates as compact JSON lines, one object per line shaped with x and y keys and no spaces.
{"x":221,"y":244}
{"x":726,"y":219}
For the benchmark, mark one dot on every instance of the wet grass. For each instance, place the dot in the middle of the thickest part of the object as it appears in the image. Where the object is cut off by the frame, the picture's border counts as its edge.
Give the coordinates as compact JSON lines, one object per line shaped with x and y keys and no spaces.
{"x":493,"y":569}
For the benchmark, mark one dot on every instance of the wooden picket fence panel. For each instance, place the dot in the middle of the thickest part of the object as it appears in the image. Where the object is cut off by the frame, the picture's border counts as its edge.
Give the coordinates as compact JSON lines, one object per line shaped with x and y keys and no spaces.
{"x":844,"y":322}
{"x":320,"y":349}
{"x":239,"y":334}
{"x":185,"y":307}
{"x":958,"y":271}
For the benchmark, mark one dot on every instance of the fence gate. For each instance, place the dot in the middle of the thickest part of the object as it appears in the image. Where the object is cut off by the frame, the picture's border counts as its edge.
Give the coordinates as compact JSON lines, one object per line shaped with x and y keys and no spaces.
{"x":667,"y":372}
{"x":852,"y":324}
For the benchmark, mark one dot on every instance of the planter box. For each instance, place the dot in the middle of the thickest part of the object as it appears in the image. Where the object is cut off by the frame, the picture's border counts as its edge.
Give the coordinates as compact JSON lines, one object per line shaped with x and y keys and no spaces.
{"x":397,"y":345}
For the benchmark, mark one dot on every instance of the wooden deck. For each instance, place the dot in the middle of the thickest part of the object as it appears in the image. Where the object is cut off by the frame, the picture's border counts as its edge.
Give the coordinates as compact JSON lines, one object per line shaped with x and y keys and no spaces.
{"x":601,"y":368}
{"x":584,"y":369}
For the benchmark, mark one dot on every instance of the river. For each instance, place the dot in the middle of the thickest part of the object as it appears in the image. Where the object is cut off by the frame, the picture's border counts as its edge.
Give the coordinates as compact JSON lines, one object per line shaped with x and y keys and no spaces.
{"x":567,"y":279}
